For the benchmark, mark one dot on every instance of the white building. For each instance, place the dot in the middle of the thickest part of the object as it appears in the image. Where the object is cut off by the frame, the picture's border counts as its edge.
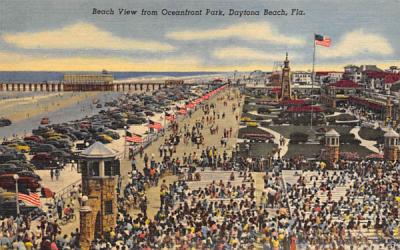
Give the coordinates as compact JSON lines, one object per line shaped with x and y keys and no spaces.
{"x":301,"y":77}
{"x":393,"y":69}
{"x":353,"y":73}
{"x":327,"y":77}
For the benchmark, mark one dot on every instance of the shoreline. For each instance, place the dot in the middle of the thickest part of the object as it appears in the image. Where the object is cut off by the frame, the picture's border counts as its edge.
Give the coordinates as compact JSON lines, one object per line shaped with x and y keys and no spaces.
{"x":40,"y":108}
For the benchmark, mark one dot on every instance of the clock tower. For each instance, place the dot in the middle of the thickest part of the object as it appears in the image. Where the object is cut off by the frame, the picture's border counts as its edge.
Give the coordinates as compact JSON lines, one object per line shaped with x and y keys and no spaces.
{"x":286,"y":92}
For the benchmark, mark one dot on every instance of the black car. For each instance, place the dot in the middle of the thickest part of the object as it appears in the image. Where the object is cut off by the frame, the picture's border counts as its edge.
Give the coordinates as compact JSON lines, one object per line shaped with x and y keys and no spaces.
{"x":61,"y":154}
{"x":40,"y":131}
{"x":29,"y":174}
{"x":23,"y":164}
{"x":80,"y":135}
{"x":11,"y":156}
{"x":8,"y":208}
{"x":136,"y":120}
{"x":112,"y":134}
{"x":9,"y":168}
{"x":43,"y":148}
{"x":117,"y":125}
{"x":5,"y":122}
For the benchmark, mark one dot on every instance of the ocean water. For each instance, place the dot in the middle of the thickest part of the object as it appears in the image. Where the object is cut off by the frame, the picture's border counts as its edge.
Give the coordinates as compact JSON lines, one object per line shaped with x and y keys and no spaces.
{"x":73,"y":112}
{"x":42,"y":76}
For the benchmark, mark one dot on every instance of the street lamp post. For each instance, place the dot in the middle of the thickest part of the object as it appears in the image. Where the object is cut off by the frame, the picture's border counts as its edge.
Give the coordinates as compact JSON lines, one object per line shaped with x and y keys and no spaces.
{"x":16,"y":177}
{"x":84,"y":200}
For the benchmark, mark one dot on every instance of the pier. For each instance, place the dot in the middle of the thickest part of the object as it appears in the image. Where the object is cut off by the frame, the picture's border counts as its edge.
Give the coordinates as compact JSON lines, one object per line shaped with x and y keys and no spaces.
{"x":63,"y":86}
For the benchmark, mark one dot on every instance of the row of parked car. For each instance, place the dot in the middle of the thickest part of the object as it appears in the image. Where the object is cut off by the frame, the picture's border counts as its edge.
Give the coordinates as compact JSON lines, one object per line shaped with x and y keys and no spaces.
{"x":55,"y":145}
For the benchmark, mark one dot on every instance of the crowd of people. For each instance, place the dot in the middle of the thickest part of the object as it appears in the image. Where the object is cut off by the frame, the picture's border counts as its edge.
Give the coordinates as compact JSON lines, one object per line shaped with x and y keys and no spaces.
{"x":199,"y":213}
{"x":225,"y":216}
{"x":25,"y":232}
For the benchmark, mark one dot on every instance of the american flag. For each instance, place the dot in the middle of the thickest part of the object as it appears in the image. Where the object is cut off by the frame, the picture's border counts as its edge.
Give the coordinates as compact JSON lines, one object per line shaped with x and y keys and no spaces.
{"x":322,"y":40}
{"x":31,"y":198}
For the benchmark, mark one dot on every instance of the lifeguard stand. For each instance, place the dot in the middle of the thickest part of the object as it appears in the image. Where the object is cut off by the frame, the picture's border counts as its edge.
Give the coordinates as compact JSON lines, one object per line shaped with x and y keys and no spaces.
{"x":99,"y":166}
{"x":332,"y":146}
{"x":391,"y":146}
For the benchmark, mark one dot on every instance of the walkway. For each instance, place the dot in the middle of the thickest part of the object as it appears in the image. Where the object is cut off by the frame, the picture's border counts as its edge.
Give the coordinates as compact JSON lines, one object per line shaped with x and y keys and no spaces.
{"x":153,"y":193}
{"x":365,"y":143}
{"x":284,"y":149}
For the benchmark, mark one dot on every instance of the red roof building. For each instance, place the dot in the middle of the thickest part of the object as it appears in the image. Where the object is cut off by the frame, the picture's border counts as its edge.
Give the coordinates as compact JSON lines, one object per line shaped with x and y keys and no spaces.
{"x":298,"y":102}
{"x":381,"y":80}
{"x":304,"y":109}
{"x":392,"y":78}
{"x":344,"y":84}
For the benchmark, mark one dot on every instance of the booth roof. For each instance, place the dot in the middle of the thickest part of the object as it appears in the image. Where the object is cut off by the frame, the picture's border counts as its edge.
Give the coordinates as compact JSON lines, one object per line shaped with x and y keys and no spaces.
{"x":98,"y":150}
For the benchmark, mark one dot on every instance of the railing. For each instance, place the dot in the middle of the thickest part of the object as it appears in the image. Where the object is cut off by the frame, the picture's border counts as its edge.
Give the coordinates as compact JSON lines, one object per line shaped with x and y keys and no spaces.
{"x":67,"y":189}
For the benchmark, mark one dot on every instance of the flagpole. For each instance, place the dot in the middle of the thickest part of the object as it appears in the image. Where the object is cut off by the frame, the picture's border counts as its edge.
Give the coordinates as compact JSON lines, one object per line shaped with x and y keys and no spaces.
{"x":312,"y":82}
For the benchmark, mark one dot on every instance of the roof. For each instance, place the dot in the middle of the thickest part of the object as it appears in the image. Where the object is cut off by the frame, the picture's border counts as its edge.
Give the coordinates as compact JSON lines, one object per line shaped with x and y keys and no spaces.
{"x":98,"y":150}
{"x":324,"y":73}
{"x":392,"y":78}
{"x":376,"y":74}
{"x":304,"y":109}
{"x":293,"y":102}
{"x":345,"y":84}
{"x":391,"y":133}
{"x":332,"y":133}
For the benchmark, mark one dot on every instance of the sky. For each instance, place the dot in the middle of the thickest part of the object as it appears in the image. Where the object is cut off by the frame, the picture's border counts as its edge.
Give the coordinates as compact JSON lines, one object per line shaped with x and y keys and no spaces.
{"x":64,"y":35}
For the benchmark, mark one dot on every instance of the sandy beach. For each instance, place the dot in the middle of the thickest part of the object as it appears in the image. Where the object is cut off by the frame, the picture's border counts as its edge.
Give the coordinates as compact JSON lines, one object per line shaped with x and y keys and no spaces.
{"x":23,"y":108}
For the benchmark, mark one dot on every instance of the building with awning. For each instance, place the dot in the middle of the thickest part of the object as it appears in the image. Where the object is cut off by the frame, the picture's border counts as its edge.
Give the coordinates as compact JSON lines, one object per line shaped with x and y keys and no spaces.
{"x":102,"y":81}
{"x":339,"y":92}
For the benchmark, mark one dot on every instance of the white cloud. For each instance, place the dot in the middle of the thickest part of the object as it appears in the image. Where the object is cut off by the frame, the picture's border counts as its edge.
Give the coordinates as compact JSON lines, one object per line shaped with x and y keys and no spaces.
{"x":259,"y":31}
{"x":241,"y":53}
{"x":81,"y":36}
{"x":10,"y":61}
{"x":356,"y":43}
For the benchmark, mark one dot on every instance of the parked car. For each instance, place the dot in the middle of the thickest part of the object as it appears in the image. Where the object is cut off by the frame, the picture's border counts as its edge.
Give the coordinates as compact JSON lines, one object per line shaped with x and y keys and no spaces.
{"x":44,"y":161}
{"x":44,"y":148}
{"x":112,"y":134}
{"x":11,"y":156}
{"x":35,"y":138}
{"x":5,"y":122}
{"x":6,"y":168}
{"x":20,"y":147}
{"x":7,"y":207}
{"x":7,"y":182}
{"x":25,"y":165}
{"x":103,"y":138}
{"x":29,"y":174}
